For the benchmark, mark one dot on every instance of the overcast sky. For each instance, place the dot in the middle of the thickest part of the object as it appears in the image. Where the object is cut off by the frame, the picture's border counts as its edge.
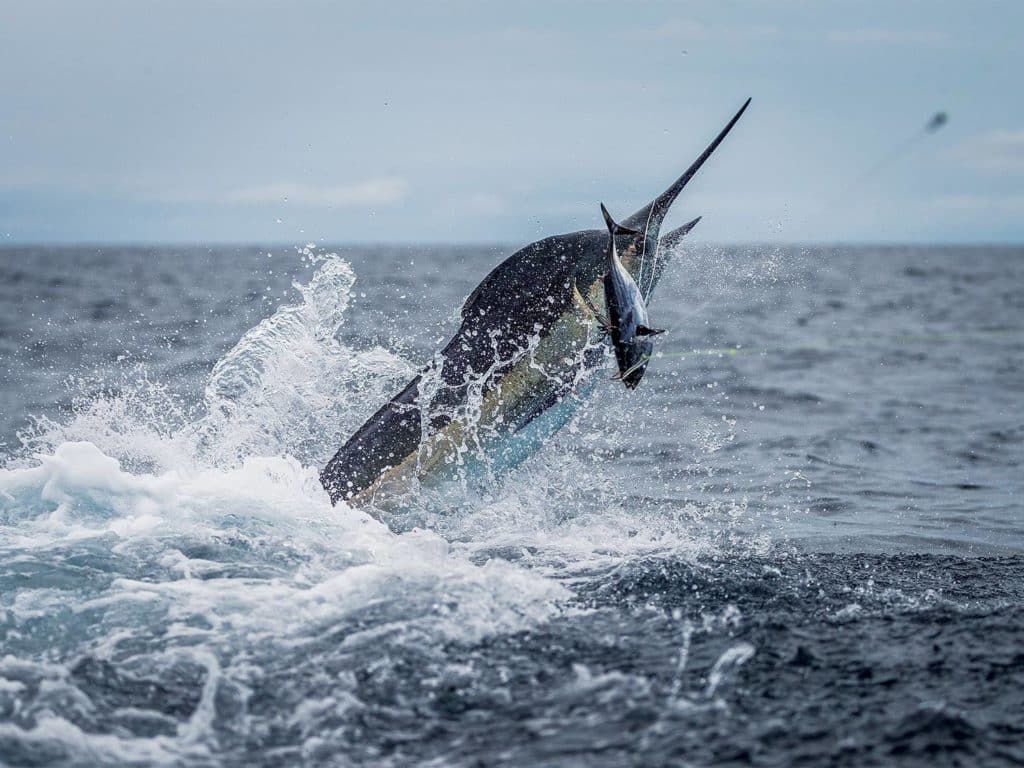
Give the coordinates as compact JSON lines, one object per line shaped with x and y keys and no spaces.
{"x":483,"y":121}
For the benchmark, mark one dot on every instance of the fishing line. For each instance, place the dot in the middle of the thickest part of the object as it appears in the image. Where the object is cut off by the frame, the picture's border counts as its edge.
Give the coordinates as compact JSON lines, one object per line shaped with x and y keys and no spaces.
{"x":950,"y":338}
{"x":643,"y":254}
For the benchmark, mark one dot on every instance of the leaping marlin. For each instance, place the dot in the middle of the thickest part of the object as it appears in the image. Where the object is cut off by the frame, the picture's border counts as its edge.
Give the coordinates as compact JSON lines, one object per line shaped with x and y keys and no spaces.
{"x":522,"y":361}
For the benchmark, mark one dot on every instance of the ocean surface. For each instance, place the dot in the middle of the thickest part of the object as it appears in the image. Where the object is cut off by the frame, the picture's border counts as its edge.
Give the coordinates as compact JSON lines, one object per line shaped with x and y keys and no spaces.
{"x":799,"y":542}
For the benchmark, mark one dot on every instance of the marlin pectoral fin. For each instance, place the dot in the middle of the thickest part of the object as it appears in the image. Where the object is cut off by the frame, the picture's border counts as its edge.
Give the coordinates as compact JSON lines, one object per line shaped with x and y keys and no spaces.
{"x":585,"y":301}
{"x":643,"y":330}
{"x":578,"y":298}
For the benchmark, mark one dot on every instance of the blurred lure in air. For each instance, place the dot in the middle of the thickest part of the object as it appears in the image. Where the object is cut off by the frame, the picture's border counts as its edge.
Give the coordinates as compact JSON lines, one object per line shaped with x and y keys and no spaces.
{"x":905,"y":146}
{"x":937,"y":121}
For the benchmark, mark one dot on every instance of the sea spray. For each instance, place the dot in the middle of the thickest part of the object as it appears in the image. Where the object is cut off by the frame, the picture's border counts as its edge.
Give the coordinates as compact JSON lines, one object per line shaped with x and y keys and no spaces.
{"x":290,"y":386}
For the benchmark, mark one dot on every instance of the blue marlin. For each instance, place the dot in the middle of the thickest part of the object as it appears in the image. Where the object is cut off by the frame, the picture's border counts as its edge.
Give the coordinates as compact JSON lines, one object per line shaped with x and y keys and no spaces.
{"x":524,"y":358}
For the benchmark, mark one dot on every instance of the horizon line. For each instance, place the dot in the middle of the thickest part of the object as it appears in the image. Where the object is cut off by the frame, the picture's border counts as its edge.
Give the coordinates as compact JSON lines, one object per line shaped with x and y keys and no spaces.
{"x":11,"y":244}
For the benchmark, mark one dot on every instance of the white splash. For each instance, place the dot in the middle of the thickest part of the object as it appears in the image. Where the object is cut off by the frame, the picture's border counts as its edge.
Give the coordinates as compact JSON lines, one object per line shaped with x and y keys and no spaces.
{"x":139,"y":536}
{"x":289,"y":386}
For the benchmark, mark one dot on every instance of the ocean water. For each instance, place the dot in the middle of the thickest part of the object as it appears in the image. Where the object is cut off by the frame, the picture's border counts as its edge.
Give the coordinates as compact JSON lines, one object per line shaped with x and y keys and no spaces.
{"x":799,"y":542}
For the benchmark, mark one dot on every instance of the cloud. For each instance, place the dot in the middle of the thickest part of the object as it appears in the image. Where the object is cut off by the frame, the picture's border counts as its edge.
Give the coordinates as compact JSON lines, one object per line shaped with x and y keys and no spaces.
{"x":675,"y":29}
{"x":369,"y":193}
{"x":887,"y":36}
{"x":363,"y":194}
{"x":973,"y":204}
{"x":481,"y":204}
{"x":527,"y":35}
{"x":689,"y":30}
{"x":996,"y":151}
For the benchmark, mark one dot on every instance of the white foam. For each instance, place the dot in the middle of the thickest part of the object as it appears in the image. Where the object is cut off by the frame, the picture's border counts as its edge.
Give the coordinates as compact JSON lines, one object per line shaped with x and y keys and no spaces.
{"x":344,"y":557}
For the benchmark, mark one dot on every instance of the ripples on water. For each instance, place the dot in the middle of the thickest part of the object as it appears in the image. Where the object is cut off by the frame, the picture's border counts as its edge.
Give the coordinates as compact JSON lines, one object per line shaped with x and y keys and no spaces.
{"x":799,"y":541}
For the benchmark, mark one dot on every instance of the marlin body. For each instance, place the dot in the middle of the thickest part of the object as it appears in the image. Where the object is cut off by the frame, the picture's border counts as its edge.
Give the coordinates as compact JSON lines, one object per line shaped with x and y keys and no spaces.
{"x":523,"y":360}
{"x":627,"y":323}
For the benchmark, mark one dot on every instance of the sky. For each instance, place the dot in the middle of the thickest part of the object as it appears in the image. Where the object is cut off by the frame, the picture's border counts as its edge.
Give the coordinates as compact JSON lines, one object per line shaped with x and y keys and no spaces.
{"x":291,"y":122}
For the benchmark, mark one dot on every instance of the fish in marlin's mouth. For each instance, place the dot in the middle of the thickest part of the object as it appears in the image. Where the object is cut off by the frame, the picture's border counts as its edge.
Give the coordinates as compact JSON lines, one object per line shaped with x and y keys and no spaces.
{"x":625,"y":322}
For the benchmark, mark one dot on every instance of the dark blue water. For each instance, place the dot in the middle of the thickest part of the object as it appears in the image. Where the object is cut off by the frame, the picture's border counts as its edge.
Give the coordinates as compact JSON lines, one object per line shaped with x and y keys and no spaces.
{"x":800,"y":541}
